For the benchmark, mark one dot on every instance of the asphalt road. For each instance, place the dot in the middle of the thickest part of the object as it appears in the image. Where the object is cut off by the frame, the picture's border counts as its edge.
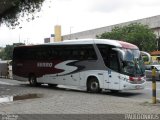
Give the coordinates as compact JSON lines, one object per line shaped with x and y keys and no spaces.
{"x":144,"y":93}
{"x":11,"y":87}
{"x":20,"y":99}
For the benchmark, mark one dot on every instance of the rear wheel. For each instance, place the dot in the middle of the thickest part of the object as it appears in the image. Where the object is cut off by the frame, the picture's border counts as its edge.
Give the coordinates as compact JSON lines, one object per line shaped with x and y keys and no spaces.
{"x":93,"y":85}
{"x":52,"y":85}
{"x":33,"y":80}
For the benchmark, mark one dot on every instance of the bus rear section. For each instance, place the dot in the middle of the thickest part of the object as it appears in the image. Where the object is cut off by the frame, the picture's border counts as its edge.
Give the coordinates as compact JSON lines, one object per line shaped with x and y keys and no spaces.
{"x":71,"y":64}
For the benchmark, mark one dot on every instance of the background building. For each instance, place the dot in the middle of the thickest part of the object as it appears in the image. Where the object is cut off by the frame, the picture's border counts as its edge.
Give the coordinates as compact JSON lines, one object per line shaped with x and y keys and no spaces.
{"x":57,"y":31}
{"x":47,"y":40}
{"x":152,"y":22}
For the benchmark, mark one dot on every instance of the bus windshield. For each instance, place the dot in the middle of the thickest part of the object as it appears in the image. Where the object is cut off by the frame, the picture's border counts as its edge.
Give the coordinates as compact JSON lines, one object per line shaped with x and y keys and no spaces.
{"x":133,"y":63}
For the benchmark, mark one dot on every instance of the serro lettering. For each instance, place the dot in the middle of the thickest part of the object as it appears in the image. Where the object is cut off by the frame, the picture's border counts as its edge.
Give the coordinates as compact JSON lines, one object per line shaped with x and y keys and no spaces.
{"x":44,"y":64}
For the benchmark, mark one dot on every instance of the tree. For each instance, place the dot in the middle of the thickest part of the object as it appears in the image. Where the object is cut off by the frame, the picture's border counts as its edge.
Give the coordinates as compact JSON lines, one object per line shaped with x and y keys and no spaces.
{"x":138,"y":34}
{"x":7,"y":52}
{"x":12,"y":10}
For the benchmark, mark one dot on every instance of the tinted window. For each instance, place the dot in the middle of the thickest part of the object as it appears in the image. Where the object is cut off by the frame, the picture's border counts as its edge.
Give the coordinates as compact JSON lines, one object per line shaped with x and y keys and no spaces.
{"x":77,"y":52}
{"x":61,"y":52}
{"x":19,"y":53}
{"x":109,"y":56}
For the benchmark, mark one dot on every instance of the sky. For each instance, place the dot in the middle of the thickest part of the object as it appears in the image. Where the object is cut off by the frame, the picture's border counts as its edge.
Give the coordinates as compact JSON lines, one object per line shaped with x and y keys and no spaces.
{"x":76,"y":16}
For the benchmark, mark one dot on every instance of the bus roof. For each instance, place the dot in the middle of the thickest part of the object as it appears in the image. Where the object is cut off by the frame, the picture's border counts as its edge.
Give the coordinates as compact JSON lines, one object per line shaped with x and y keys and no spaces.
{"x":93,"y":41}
{"x":90,"y":41}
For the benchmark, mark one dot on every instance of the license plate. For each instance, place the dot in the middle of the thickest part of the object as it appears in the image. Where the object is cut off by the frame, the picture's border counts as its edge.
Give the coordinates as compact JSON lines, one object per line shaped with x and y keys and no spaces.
{"x":138,"y":87}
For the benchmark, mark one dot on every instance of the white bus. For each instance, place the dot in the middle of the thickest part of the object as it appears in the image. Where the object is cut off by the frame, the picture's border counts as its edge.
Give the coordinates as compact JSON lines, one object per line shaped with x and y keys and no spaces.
{"x":92,"y":63}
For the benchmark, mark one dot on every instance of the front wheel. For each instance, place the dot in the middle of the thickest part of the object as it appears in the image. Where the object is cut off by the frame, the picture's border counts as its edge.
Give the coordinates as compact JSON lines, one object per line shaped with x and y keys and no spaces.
{"x":114,"y":91}
{"x":93,"y":86}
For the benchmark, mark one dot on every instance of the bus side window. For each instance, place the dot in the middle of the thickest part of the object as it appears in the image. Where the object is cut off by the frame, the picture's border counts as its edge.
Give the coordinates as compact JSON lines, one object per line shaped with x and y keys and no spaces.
{"x":81,"y":52}
{"x":31,"y":54}
{"x":81,"y":57}
{"x":104,"y":50}
{"x":55,"y":54}
{"x":91,"y":54}
{"x":20,"y":54}
{"x":75,"y":54}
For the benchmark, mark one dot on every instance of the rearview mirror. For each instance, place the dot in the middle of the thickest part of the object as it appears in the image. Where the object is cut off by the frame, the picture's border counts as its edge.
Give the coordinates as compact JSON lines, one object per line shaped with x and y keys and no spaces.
{"x":146,"y":54}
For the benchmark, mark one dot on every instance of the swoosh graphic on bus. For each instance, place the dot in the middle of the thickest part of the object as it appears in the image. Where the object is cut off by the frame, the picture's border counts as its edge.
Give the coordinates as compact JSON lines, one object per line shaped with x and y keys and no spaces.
{"x":67,"y":68}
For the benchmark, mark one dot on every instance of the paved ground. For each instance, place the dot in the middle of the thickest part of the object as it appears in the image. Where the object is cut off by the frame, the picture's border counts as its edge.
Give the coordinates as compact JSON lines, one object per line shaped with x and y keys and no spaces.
{"x":66,"y":101}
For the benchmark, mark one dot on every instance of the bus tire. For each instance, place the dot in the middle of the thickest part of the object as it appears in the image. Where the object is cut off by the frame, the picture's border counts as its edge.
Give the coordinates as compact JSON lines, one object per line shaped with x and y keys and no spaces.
{"x":93,"y":85}
{"x":33,"y":81}
{"x":114,"y":91}
{"x":52,"y":85}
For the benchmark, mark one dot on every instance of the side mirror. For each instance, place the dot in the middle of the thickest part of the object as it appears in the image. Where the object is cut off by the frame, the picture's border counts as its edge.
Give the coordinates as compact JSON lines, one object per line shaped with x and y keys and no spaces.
{"x":146,"y":54}
{"x":121,"y":52}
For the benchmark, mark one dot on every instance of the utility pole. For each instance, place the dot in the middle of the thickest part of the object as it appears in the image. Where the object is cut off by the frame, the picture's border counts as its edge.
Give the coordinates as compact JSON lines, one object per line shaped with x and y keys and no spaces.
{"x":20,"y":34}
{"x":71,"y":32}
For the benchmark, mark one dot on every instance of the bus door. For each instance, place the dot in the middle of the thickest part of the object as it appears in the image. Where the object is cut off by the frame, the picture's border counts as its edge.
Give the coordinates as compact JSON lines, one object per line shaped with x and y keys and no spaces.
{"x":113,"y":71}
{"x":111,"y":61}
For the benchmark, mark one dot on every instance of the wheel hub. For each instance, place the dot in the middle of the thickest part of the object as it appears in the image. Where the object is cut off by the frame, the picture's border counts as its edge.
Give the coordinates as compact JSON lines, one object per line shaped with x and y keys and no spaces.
{"x":94,"y":85}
